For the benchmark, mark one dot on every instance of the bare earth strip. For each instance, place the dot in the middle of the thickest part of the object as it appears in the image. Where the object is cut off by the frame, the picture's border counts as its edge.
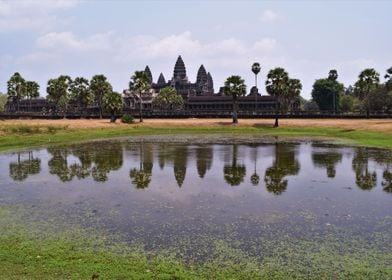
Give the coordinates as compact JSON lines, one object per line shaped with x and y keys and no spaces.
{"x":378,"y":125}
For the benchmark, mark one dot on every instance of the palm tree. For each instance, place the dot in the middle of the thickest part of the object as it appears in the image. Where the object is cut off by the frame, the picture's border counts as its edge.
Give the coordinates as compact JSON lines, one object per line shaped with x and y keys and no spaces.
{"x":141,"y":178}
{"x":256,"y":70}
{"x":235,"y":87}
{"x":277,"y":85}
{"x":234,"y":173}
{"x":32,"y":90}
{"x":140,"y":83}
{"x":58,"y":92}
{"x":99,"y":86}
{"x":81,"y":93}
{"x":294,"y":91}
{"x":368,"y":81}
{"x":16,"y":88}
{"x":112,"y":101}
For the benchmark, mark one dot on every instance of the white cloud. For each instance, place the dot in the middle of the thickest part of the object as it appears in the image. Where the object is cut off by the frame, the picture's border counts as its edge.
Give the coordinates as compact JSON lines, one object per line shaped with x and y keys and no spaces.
{"x":269,"y":16}
{"x":67,"y":41}
{"x":118,"y":56}
{"x":265,"y":44}
{"x":20,"y":15}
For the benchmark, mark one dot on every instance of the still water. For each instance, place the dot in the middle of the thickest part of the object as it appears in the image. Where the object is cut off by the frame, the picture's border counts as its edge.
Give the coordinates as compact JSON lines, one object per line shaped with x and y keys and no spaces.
{"x":262,"y":199}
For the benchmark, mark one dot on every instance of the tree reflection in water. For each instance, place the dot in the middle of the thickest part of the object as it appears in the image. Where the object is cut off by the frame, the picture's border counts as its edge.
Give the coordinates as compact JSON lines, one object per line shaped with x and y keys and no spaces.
{"x":21,"y":169}
{"x":284,"y":164}
{"x":365,"y":179}
{"x":327,"y":159}
{"x":255,"y":178}
{"x":234,"y":173}
{"x":93,"y":160}
{"x":141,"y":178}
{"x":98,"y":160}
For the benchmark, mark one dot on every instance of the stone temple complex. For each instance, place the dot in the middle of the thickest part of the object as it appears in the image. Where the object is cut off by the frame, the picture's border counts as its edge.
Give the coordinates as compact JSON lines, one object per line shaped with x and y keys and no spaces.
{"x":198,"y":95}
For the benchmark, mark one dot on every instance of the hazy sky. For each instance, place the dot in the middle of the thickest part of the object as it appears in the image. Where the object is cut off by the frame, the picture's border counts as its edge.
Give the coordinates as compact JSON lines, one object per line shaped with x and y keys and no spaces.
{"x":42,"y":39}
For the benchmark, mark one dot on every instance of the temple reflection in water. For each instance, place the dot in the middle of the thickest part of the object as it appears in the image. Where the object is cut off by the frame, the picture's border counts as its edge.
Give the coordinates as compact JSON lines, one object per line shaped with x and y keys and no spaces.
{"x":184,"y":164}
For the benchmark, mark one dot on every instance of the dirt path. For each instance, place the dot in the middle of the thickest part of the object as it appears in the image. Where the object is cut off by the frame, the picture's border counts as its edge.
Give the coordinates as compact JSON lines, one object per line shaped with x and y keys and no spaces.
{"x":382,"y":125}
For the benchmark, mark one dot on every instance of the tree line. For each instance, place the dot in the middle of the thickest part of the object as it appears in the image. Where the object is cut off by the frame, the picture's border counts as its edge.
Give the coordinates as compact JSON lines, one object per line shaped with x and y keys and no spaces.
{"x":368,"y":94}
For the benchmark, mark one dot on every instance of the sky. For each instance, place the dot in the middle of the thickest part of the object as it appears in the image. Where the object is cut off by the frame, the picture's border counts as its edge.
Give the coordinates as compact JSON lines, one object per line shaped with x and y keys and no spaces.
{"x":42,"y":39}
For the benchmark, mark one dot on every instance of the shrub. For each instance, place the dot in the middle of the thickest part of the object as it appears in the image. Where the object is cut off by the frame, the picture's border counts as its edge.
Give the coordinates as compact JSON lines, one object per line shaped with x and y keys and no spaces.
{"x":127,"y":119}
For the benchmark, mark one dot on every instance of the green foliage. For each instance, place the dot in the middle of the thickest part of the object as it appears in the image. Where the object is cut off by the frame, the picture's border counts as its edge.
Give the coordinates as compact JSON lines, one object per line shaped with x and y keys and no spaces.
{"x":112,"y":101}
{"x":235,"y":87}
{"x":58,"y":90}
{"x":368,"y":80}
{"x":99,"y":86}
{"x":168,"y":99}
{"x":347,"y":103}
{"x":3,"y":101}
{"x":32,"y":89}
{"x":284,"y":89}
{"x":326,"y":92}
{"x":16,"y":86}
{"x":311,"y":106}
{"x":277,"y":83}
{"x":139,"y":82}
{"x":80,"y":92}
{"x":127,"y":119}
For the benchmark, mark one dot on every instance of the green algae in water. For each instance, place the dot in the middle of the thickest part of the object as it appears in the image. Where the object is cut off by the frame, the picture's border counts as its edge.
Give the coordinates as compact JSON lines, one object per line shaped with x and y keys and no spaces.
{"x":316,"y":210}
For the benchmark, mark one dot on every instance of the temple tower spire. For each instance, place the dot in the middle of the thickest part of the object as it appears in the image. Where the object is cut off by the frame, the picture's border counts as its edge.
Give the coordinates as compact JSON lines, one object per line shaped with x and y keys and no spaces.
{"x":179,"y":69}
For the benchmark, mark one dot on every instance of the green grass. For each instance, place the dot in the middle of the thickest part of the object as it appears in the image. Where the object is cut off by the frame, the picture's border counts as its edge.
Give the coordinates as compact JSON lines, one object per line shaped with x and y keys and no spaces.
{"x":15,"y":137}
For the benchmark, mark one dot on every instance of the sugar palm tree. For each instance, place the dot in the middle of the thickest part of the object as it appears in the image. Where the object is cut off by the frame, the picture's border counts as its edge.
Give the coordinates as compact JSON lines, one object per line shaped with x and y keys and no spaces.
{"x":81,"y":93}
{"x":32,"y":91}
{"x":235,"y":87}
{"x":277,"y":85}
{"x":368,"y":81}
{"x":294,"y":91}
{"x":112,"y":101}
{"x":100,"y":86}
{"x":16,"y":88}
{"x":140,"y":83}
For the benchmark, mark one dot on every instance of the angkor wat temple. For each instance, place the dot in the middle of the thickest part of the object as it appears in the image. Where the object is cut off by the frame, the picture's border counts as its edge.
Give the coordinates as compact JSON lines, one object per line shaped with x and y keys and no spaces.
{"x":200,"y":95}
{"x":200,"y":99}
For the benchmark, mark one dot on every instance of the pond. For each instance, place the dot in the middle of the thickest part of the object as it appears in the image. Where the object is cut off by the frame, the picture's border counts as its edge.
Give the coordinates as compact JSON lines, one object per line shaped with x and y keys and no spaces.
{"x":286,"y":201}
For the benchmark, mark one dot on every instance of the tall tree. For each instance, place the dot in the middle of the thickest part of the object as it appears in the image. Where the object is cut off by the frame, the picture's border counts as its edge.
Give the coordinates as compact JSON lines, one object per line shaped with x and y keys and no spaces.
{"x":168,"y":99}
{"x":141,"y":84}
{"x":388,"y":77}
{"x":16,"y":88}
{"x":235,"y":87}
{"x":58,"y":92}
{"x":32,"y":89}
{"x":277,"y":85}
{"x":326,"y":92}
{"x":235,"y":172}
{"x":368,"y":81}
{"x":294,"y":91}
{"x":99,"y":86}
{"x":112,"y":101}
{"x":81,"y":93}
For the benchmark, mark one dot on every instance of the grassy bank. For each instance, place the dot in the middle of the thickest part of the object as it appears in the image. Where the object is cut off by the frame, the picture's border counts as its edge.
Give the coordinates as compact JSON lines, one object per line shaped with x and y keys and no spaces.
{"x":21,"y":136}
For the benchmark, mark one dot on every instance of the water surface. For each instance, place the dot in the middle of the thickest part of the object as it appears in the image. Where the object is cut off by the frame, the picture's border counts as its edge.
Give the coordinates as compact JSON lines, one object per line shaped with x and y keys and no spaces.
{"x":265,"y":200}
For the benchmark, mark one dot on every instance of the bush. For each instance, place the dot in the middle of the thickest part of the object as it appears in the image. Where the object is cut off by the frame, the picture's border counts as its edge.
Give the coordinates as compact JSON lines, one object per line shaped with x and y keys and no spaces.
{"x":127,"y":119}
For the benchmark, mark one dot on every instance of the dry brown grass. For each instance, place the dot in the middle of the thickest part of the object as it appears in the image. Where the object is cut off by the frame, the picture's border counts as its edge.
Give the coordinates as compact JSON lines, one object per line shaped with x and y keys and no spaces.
{"x":379,"y":125}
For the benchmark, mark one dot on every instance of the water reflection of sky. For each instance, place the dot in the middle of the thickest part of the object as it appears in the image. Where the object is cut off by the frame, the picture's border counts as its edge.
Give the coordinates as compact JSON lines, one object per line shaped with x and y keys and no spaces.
{"x":161,"y":193}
